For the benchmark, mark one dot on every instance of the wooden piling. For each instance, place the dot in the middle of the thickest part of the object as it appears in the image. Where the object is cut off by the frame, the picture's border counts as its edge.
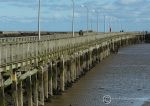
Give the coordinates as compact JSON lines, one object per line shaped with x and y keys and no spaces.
{"x":50,"y":82}
{"x":45,"y":74}
{"x":62,"y":76}
{"x":2,"y":93}
{"x":35,"y":89}
{"x":41,"y":87}
{"x":55,"y":78}
{"x":29,"y":91}
{"x":20,"y":94}
{"x":15,"y":88}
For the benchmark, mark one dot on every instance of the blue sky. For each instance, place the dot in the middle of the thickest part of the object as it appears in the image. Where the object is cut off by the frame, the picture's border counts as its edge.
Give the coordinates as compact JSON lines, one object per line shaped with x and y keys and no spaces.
{"x":21,"y":15}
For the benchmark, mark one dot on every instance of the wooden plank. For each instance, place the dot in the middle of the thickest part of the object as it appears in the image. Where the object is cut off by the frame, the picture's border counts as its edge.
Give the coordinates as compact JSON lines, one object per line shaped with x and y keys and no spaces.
{"x":22,"y":77}
{"x":29,"y":73}
{"x":7,"y":82}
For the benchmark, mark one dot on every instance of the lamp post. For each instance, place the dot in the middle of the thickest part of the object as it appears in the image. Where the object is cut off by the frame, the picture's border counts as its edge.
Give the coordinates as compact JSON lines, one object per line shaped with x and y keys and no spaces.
{"x":104,"y":22}
{"x":73,"y":19}
{"x":121,"y":26}
{"x":87,"y":16}
{"x":97,"y":13}
{"x":91,"y":24}
{"x":39,"y":11}
{"x":97,"y":21}
{"x":110,"y":28}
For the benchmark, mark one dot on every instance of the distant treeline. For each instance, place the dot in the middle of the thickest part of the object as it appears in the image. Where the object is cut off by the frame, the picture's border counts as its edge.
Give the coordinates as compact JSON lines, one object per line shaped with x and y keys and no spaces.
{"x":20,"y":34}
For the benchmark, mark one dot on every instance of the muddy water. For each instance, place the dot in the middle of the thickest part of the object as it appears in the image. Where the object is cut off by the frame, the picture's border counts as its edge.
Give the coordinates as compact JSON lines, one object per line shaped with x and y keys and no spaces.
{"x":125,"y":77}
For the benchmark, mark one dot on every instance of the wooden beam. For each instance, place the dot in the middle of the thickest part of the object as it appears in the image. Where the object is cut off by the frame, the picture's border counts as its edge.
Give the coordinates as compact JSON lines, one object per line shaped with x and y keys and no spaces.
{"x":27,"y":74}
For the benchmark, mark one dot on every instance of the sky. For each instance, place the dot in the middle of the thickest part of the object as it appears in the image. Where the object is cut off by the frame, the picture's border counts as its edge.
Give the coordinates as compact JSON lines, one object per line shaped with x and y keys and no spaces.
{"x":56,"y":15}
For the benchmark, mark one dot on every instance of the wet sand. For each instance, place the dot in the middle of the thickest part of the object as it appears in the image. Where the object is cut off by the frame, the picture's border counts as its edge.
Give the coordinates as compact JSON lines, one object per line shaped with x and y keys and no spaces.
{"x":125,"y":77}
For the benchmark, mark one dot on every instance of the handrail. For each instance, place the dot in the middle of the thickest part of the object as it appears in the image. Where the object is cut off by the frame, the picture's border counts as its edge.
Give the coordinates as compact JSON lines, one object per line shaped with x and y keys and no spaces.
{"x":17,"y":51}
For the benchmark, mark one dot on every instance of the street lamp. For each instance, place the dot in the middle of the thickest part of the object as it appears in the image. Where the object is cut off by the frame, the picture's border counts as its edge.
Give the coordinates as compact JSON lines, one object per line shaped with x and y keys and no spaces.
{"x":97,"y":13}
{"x":87,"y":16}
{"x":104,"y":22}
{"x":73,"y":18}
{"x":121,"y":25}
{"x":39,"y":11}
{"x":110,"y":28}
{"x":91,"y":24}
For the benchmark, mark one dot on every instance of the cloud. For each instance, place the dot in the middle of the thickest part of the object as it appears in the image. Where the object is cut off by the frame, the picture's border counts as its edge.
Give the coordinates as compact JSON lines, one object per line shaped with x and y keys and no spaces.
{"x":25,"y":11}
{"x":127,"y":2}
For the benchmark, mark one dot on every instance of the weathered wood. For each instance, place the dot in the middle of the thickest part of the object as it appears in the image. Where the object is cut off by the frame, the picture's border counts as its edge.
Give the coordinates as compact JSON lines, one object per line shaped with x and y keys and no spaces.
{"x":29,"y":91}
{"x":62,"y":76}
{"x":55,"y":79}
{"x":29,"y":73}
{"x":45,"y":74}
{"x":68,"y":72}
{"x":41,"y":87}
{"x":7,"y":82}
{"x":50,"y":81}
{"x":2,"y":94}
{"x":20,"y":94}
{"x":15,"y":93}
{"x":35,"y":89}
{"x":14,"y":87}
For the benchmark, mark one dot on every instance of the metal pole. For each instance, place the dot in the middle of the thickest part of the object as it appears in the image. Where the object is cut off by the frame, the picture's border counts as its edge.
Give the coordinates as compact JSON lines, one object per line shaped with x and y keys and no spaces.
{"x":121,"y":25}
{"x":104,"y":22}
{"x":87,"y":16}
{"x":97,"y":21}
{"x":73,"y":20}
{"x":87,"y":19}
{"x":39,"y":10}
{"x":91,"y":25}
{"x":109,"y":24}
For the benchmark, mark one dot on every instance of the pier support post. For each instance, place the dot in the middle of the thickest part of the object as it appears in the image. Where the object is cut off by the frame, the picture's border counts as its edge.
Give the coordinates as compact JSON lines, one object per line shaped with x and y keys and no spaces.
{"x":20,"y":94}
{"x":78,"y":66}
{"x":41,"y":87}
{"x":2,"y":94}
{"x":46,"y":82}
{"x":72,"y":70}
{"x":90,"y":59}
{"x":35,"y":89}
{"x":81,"y":65}
{"x":62,"y":76}
{"x":75,"y":68}
{"x":29,"y":91}
{"x":55,"y":78}
{"x":15,"y":87}
{"x":68,"y":72}
{"x":50,"y":81}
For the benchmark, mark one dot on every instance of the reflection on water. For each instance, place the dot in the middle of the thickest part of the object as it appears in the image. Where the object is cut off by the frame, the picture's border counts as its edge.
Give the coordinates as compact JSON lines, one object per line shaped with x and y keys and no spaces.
{"x":125,"y":77}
